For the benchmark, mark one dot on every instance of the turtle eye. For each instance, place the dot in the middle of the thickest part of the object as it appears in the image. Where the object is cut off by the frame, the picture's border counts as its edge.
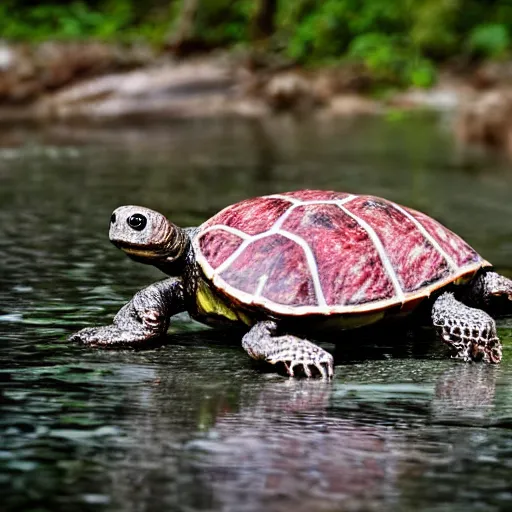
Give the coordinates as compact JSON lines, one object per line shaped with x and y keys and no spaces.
{"x":137,"y":221}
{"x":113,"y":219}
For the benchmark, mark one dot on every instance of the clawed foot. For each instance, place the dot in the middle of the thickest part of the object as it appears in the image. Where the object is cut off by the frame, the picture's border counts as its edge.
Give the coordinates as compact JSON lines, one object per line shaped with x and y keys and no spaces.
{"x":488,"y":350}
{"x":108,"y":336}
{"x":130,"y":327}
{"x":326,"y":368}
{"x":473,"y":346}
{"x":470,"y":332}
{"x":262,"y":343}
{"x":294,"y":355}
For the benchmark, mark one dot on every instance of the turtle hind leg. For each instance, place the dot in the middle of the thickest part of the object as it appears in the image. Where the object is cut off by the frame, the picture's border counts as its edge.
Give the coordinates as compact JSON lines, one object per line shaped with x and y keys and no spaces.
{"x":470,"y":332}
{"x":261,"y":343}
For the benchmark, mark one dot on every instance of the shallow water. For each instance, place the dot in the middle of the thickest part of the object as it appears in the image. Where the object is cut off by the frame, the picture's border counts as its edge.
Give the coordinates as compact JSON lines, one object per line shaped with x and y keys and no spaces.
{"x":193,"y":424}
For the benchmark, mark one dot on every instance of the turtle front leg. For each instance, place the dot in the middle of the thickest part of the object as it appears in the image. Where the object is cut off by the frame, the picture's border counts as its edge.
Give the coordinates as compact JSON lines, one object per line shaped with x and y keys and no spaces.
{"x":470,"y":332}
{"x":145,"y":317}
{"x":261,"y":343}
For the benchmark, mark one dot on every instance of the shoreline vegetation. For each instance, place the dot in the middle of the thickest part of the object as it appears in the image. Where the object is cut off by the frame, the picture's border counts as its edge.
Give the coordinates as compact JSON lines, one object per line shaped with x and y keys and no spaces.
{"x":111,"y":59}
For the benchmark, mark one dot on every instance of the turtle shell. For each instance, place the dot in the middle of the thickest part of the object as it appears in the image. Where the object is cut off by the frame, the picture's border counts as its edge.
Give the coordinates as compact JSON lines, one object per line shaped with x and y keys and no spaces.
{"x":320,"y":252}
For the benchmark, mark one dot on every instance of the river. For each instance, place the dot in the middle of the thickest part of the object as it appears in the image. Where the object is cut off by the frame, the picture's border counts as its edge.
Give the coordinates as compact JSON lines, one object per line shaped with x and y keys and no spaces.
{"x":194,"y":425}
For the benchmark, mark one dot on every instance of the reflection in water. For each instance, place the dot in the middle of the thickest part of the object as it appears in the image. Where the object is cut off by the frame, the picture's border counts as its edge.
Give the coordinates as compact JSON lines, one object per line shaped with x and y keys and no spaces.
{"x":193,"y":425}
{"x":465,"y":393}
{"x":286,"y":450}
{"x":295,"y":445}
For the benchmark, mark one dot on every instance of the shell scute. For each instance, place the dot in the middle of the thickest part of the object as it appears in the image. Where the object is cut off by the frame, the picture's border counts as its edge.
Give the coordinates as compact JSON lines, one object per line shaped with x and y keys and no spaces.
{"x":324,"y":252}
{"x":347,"y":263}
{"x":413,"y":258}
{"x":315,"y":195}
{"x":218,"y":245}
{"x":274,"y":267}
{"x":456,"y":248}
{"x":253,"y":216}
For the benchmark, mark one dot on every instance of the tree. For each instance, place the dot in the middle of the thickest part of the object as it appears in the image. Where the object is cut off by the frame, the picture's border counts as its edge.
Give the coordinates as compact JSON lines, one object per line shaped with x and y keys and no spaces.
{"x":264,"y":22}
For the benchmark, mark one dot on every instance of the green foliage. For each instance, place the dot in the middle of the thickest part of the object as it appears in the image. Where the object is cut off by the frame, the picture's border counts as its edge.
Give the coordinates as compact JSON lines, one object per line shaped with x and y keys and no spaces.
{"x":432,"y":23}
{"x":400,"y":41}
{"x":71,"y":21}
{"x":379,"y":33}
{"x":224,"y":22}
{"x":325,"y":30}
{"x":490,"y":40}
{"x":381,"y":53}
{"x":421,"y":72}
{"x":107,"y":20}
{"x":392,"y":60}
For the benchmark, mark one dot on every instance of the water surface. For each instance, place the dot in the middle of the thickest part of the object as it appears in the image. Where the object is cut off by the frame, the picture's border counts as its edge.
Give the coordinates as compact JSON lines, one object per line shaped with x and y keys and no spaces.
{"x":194,"y":424}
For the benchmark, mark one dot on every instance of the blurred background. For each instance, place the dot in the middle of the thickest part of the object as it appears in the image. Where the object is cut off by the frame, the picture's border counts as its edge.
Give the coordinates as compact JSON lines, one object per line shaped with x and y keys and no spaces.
{"x":186,"y":106}
{"x":109,"y":58}
{"x":402,"y":42}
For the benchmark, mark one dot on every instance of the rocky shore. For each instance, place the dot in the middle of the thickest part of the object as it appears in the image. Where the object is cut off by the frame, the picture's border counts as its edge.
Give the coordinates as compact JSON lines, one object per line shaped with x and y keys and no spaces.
{"x":92,"y":81}
{"x":485,"y":113}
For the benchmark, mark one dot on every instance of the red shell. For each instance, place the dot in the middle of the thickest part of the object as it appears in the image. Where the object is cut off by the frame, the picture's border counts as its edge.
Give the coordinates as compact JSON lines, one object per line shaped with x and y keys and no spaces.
{"x":322,"y":252}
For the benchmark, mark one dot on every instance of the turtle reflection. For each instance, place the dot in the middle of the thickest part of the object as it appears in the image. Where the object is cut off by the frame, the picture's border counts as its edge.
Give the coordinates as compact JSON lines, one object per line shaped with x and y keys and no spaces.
{"x":287,"y":450}
{"x":307,"y":446}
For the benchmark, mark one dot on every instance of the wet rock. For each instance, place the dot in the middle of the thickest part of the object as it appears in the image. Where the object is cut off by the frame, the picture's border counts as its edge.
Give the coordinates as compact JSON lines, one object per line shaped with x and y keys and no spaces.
{"x":353,"y":104}
{"x":7,"y":57}
{"x":185,"y":89}
{"x":492,"y":75}
{"x":444,"y":99}
{"x":97,"y":81}
{"x":291,"y":90}
{"x":29,"y":71}
{"x":333,"y":91}
{"x":486,"y":118}
{"x":348,"y":79}
{"x":485,"y":113}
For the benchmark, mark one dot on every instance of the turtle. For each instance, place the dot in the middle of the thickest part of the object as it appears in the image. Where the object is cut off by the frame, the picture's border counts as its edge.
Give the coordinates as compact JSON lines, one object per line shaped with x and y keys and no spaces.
{"x":291,"y":266}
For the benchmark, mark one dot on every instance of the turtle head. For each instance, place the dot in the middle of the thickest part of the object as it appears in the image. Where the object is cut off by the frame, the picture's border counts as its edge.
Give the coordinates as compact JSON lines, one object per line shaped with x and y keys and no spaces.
{"x":147,"y":236}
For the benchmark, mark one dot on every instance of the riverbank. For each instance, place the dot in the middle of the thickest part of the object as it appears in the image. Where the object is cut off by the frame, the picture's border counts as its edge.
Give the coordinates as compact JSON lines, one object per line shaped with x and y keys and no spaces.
{"x":97,"y":81}
{"x":89,"y":82}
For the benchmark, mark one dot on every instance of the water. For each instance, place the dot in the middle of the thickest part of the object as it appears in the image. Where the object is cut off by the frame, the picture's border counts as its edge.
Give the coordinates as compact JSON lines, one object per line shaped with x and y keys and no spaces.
{"x":194,"y":424}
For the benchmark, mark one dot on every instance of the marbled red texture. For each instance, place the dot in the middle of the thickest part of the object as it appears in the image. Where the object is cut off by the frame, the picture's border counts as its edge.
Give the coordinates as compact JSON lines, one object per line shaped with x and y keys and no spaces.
{"x":252,"y":216}
{"x":283,"y":262}
{"x":349,"y":266}
{"x":451,"y":243}
{"x":218,"y":245}
{"x":414,"y":259}
{"x":316,"y":195}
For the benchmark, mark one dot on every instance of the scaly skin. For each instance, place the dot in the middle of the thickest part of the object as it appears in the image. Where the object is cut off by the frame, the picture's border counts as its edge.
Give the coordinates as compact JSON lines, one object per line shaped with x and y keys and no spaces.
{"x":148,"y":237}
{"x":261,"y":343}
{"x":144,"y":318}
{"x":469,"y":331}
{"x":487,"y":287}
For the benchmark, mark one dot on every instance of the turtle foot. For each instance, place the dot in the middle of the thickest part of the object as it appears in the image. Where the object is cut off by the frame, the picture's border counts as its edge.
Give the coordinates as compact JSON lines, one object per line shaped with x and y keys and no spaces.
{"x":139,"y":322}
{"x":470,"y":332}
{"x":107,"y":337}
{"x":293,"y":352}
